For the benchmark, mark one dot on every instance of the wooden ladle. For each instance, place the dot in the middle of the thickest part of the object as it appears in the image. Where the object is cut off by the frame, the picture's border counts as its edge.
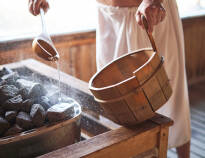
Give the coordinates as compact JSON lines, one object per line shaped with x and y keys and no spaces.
{"x":43,"y":45}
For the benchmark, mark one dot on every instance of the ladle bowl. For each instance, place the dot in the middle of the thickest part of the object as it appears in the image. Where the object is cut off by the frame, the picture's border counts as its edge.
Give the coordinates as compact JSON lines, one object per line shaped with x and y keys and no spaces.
{"x":43,"y":45}
{"x":44,"y":49}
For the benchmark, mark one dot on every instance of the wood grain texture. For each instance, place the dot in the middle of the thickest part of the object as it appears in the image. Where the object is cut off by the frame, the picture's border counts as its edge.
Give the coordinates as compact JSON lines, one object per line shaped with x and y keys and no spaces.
{"x":114,"y":143}
{"x":163,"y":143}
{"x":77,"y":53}
{"x":70,"y":45}
{"x":194,"y":36}
{"x":131,"y":92}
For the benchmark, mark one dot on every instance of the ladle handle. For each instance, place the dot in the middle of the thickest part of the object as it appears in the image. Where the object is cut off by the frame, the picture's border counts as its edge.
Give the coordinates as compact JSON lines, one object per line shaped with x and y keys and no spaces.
{"x":145,"y":24}
{"x":43,"y":20}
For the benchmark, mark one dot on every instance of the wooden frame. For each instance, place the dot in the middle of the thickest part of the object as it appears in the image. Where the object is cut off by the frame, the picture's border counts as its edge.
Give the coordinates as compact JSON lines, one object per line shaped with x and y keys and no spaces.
{"x":116,"y":141}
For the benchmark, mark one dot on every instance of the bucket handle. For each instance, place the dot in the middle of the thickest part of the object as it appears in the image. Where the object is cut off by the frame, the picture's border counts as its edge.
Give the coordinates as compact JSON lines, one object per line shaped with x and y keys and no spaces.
{"x":151,"y":39}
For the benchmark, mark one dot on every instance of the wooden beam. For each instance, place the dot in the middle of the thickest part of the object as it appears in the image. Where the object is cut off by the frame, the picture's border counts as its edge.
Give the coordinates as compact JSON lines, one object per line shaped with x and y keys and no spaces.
{"x":119,"y":143}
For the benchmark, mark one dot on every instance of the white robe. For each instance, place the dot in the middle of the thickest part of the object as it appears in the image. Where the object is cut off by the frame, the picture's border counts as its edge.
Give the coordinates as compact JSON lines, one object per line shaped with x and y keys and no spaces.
{"x":118,"y":33}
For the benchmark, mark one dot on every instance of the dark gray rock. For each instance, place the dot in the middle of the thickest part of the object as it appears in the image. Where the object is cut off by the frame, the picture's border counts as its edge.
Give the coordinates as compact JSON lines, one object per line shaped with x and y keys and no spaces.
{"x":4,"y":125}
{"x":37,"y":91}
{"x":2,"y":111}
{"x":7,"y":92}
{"x":45,"y":102}
{"x":66,"y":99}
{"x":24,"y":120}
{"x":5,"y":71}
{"x":13,"y":130}
{"x":10,"y":116}
{"x":14,"y":103}
{"x":3,"y":82}
{"x":11,"y":78}
{"x":24,"y":84}
{"x":26,"y":105}
{"x":24,"y":93}
{"x":59,"y":112}
{"x":54,"y":98}
{"x":37,"y":115}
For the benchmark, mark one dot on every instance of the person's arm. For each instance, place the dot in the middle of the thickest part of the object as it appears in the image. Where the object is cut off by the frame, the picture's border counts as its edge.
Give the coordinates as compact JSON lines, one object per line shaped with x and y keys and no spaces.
{"x":35,"y":5}
{"x":153,"y":12}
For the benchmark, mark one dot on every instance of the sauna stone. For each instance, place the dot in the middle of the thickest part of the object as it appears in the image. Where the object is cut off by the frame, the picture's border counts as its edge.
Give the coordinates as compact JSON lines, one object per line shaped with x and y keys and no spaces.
{"x":23,"y":83}
{"x":59,"y":112}
{"x":26,"y":105}
{"x":5,"y":71}
{"x":7,"y":92}
{"x":66,"y":99}
{"x":13,"y":130}
{"x":4,"y":125}
{"x":2,"y":111}
{"x":11,"y":78}
{"x":36,"y":91}
{"x":3,"y":82}
{"x":37,"y":115}
{"x":53,"y":97}
{"x":10,"y":116}
{"x":14,"y":103}
{"x":24,"y":120}
{"x":45,"y":102}
{"x":24,"y":93}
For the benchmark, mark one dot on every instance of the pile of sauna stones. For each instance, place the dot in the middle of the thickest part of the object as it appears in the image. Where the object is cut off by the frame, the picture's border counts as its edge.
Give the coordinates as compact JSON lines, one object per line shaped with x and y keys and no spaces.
{"x":25,"y":104}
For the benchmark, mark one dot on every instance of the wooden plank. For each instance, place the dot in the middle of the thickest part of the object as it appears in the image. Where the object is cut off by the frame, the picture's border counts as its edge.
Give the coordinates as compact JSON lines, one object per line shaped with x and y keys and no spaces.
{"x":140,"y":106}
{"x":147,"y":70}
{"x":162,"y":120}
{"x":164,"y":82}
{"x":163,"y":142}
{"x":75,"y":39}
{"x":93,"y":58}
{"x":109,"y":144}
{"x":148,"y":154}
{"x":154,"y":93}
{"x":193,"y":29}
{"x":121,"y":112}
{"x":85,"y":65}
{"x":14,"y":51}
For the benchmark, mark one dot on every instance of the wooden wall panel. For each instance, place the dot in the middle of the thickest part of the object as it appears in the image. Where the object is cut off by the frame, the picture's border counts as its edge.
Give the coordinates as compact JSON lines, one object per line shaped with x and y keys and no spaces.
{"x":194,"y":34}
{"x":77,"y":51}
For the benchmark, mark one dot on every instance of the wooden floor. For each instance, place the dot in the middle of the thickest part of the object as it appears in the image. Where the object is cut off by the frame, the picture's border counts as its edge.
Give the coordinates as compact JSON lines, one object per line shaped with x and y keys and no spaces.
{"x":197,"y":101}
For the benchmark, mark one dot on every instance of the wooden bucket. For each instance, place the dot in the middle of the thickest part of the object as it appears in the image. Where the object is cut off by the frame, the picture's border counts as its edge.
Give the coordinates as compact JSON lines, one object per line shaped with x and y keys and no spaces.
{"x":131,"y":88}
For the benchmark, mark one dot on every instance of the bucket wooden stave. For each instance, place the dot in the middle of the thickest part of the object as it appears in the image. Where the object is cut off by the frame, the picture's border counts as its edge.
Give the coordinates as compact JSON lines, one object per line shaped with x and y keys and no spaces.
{"x":131,"y":88}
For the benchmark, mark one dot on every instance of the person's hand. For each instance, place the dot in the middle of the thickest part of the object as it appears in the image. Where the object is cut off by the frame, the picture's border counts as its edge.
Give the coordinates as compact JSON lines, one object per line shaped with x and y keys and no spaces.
{"x":153,"y":12}
{"x":35,"y":5}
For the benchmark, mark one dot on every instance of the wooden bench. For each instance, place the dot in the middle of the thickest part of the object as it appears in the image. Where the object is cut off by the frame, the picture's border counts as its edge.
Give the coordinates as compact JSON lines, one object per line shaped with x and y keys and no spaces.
{"x":102,"y":138}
